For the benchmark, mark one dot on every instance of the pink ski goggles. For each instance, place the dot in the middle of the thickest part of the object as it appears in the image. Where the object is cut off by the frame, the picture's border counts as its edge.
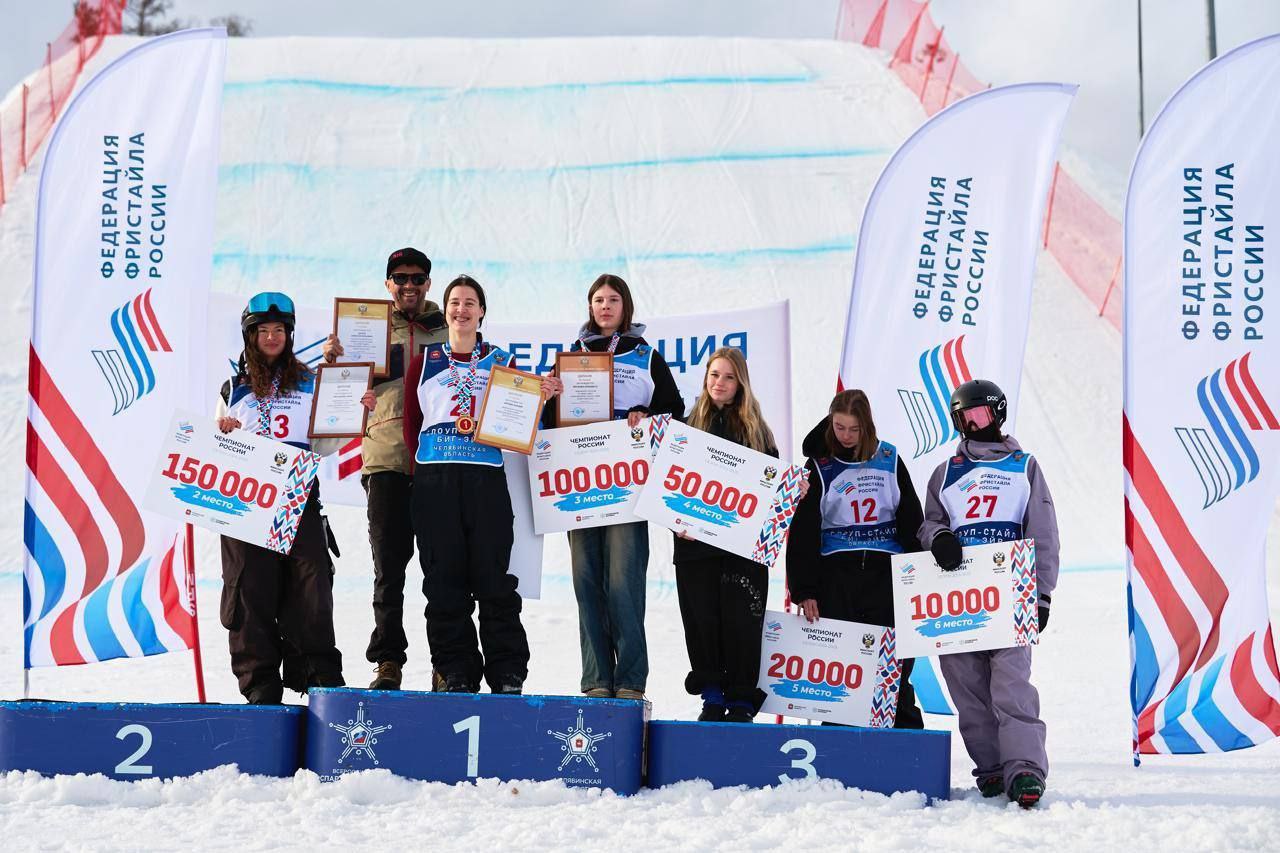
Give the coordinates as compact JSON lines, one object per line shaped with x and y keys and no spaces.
{"x":976,"y":418}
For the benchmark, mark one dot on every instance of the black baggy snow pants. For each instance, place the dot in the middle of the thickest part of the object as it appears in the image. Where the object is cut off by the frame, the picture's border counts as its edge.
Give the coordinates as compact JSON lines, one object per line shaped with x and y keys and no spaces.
{"x":278,"y":610}
{"x":865,"y":594}
{"x":463,"y":520}
{"x":722,"y":602}
{"x":391,"y":539}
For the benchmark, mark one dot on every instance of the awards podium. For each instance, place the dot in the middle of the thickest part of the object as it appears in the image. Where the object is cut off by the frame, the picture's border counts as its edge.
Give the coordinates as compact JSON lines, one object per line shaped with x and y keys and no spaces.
{"x":460,"y":737}
{"x":130,"y":740}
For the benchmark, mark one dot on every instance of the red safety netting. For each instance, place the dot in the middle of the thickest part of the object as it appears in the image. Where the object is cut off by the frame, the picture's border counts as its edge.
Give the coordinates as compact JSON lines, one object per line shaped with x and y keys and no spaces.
{"x":1081,"y":235}
{"x":29,"y":114}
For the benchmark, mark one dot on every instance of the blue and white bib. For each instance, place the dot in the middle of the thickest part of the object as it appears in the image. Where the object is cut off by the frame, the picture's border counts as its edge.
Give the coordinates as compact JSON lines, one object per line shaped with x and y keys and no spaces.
{"x":987,"y":501}
{"x":290,"y":412}
{"x":439,"y":441}
{"x":860,"y":503}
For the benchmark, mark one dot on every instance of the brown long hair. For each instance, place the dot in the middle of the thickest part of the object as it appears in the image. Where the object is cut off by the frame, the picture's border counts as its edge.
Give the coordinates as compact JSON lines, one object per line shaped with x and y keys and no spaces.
{"x":852,"y":402}
{"x":628,"y":306}
{"x":743,"y":415}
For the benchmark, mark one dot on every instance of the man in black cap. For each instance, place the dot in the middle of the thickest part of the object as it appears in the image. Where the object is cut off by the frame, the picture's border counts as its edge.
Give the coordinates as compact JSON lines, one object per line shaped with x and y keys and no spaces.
{"x":386,"y":477}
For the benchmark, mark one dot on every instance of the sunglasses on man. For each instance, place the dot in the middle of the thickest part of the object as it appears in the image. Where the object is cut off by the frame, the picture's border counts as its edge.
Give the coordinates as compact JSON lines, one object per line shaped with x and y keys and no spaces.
{"x":400,"y":279}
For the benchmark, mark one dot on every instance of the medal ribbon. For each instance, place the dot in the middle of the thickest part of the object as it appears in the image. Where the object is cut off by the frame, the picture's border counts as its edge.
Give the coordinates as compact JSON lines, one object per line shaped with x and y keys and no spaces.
{"x":455,"y":378}
{"x":264,"y":408}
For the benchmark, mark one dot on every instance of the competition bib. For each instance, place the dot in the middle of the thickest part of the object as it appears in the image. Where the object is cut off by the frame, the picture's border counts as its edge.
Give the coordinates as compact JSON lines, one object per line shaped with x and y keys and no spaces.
{"x":288,"y":414}
{"x":589,"y":475}
{"x":236,"y":484}
{"x":829,"y":670}
{"x":445,"y":404}
{"x":986,"y":501}
{"x":721,"y":493}
{"x":987,"y":603}
{"x":860,"y":503}
{"x":632,"y":381}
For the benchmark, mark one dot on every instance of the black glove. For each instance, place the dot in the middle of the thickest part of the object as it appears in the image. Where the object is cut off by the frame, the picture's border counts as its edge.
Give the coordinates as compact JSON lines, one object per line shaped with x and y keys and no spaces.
{"x":1044,"y":618}
{"x":946,"y":550}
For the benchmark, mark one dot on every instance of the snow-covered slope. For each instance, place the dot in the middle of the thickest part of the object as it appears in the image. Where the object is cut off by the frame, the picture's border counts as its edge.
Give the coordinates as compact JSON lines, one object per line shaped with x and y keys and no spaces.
{"x":707,"y":172}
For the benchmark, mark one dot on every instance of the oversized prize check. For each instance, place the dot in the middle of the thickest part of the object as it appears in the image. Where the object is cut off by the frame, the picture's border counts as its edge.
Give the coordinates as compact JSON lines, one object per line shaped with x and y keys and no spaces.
{"x":989,"y":602}
{"x":721,"y":493}
{"x":237,"y":484}
{"x":829,"y":670}
{"x":589,"y":475}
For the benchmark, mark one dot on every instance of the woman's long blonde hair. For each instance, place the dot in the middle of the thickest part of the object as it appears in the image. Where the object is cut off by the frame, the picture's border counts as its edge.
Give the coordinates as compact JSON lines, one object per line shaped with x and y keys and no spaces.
{"x":743,"y":414}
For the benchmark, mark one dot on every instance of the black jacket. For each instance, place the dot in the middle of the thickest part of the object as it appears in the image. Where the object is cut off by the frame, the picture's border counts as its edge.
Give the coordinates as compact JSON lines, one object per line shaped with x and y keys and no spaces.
{"x":666,"y":399}
{"x":805,"y":565}
{"x":692,"y":549}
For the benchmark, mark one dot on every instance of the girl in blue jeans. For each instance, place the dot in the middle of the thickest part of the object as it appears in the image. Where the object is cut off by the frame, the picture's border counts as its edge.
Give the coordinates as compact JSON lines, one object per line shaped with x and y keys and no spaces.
{"x":610,"y":563}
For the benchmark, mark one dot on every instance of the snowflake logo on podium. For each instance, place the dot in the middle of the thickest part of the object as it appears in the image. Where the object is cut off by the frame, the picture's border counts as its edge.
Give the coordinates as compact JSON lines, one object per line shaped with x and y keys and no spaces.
{"x":579,"y":743}
{"x":359,"y":735}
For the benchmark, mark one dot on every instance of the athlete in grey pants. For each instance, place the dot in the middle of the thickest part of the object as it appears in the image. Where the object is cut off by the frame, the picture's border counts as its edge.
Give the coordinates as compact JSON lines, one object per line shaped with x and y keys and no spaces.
{"x":997,"y":706}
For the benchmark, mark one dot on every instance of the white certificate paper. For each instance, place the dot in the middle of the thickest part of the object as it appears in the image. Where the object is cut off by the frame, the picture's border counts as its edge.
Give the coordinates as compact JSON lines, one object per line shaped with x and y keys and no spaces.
{"x":335,"y":404}
{"x":364,"y":329}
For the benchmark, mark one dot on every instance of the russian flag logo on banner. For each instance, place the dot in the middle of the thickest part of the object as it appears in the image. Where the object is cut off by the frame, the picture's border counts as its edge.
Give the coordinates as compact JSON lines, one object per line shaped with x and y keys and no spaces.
{"x":124,"y":231}
{"x":1202,"y":378}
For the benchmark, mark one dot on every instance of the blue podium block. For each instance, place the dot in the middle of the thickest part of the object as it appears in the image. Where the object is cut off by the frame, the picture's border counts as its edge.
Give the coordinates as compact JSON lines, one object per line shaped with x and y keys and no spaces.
{"x":456,"y":737}
{"x":131,"y":741}
{"x":760,"y":755}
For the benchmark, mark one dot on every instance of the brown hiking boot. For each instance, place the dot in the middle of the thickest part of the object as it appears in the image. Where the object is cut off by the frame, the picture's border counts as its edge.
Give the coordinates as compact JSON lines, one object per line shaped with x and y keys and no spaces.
{"x":388,"y":677}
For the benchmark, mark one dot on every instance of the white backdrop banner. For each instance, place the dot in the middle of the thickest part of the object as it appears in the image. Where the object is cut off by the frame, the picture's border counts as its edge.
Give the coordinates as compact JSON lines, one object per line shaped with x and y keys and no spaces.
{"x":1201,"y":397}
{"x":123,"y":257}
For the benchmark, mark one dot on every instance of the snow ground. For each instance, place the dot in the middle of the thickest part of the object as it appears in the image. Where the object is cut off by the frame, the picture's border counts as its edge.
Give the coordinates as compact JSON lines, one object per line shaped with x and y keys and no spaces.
{"x":1069,"y":418}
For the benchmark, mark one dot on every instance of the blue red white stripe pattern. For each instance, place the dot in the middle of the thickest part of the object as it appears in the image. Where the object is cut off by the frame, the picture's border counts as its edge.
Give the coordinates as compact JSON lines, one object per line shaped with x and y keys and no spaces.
{"x":90,"y":592}
{"x":1190,"y":692}
{"x":1222,"y":453}
{"x":943,"y":368}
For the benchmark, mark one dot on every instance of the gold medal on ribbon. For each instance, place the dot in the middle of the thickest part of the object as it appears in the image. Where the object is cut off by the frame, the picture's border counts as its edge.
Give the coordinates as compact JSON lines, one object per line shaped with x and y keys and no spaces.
{"x":465,"y":424}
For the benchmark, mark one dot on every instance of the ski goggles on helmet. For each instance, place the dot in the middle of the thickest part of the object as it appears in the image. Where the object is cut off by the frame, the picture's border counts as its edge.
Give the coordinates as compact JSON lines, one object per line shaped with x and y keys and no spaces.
{"x":270,"y":302}
{"x":975,"y":418}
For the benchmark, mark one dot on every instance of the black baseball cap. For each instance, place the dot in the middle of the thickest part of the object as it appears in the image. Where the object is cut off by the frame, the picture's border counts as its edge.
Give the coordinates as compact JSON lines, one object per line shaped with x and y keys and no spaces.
{"x":409,"y":257}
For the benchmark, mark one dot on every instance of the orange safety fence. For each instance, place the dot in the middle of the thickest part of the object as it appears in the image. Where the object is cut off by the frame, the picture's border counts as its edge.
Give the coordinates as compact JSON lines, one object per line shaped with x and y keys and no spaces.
{"x":1083,"y":237}
{"x":27,"y":116}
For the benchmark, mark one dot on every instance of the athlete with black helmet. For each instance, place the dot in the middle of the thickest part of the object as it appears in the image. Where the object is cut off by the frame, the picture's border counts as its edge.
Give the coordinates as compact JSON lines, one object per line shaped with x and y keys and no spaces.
{"x":277,"y":608}
{"x":997,"y":706}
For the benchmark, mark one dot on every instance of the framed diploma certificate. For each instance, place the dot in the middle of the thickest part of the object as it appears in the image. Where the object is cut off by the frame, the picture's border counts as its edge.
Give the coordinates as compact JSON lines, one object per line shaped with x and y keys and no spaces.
{"x":363,"y":327}
{"x":335,"y":400}
{"x":511,"y":411}
{"x":588,"y":387}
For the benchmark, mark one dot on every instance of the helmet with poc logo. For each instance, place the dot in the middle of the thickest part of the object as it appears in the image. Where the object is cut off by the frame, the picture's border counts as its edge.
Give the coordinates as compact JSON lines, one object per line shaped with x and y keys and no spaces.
{"x":971,"y":398}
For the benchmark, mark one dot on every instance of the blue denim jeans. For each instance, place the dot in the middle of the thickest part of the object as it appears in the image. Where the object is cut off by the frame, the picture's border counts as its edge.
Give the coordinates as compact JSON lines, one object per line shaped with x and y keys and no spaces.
{"x":609,"y":567}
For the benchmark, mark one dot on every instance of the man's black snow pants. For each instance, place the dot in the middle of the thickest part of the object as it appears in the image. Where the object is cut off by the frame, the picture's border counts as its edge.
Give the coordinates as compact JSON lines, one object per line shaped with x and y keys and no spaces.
{"x":391,"y":538}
